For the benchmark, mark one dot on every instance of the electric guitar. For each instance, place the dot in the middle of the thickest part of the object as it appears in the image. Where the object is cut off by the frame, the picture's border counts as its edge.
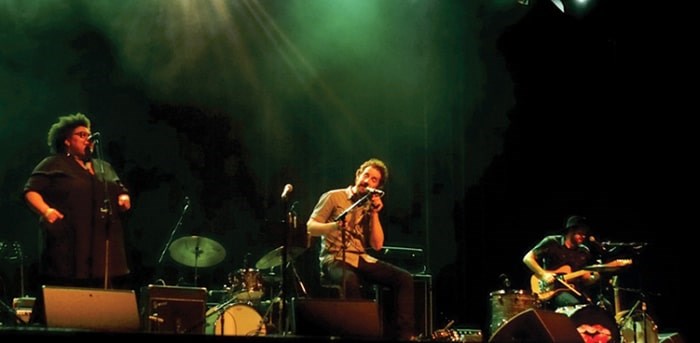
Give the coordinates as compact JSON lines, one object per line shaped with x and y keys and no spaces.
{"x":564,"y":274}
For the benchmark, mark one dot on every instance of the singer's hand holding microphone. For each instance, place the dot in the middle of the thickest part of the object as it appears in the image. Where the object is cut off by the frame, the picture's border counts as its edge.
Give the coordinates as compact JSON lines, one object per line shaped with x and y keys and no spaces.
{"x":376,"y":199}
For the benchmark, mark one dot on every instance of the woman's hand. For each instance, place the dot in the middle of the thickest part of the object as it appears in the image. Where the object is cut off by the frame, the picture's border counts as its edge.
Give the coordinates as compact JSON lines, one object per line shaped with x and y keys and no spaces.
{"x":51,"y":215}
{"x":124,"y":202}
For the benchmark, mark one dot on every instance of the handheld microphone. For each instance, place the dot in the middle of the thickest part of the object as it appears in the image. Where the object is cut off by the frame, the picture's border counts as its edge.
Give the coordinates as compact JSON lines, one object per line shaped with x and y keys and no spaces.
{"x":94,"y":136}
{"x":287,"y":189}
{"x":375,"y":190}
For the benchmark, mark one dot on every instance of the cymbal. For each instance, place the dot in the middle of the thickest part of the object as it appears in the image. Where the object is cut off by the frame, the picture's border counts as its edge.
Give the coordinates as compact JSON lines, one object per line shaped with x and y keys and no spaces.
{"x":610,"y":266}
{"x":274,"y":257}
{"x":196,"y":251}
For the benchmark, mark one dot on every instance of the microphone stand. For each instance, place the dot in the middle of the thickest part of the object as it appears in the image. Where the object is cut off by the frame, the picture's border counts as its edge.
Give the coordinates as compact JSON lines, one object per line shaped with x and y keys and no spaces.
{"x":288,"y":220}
{"x":172,"y":233}
{"x":106,"y":209}
{"x":340,"y":217}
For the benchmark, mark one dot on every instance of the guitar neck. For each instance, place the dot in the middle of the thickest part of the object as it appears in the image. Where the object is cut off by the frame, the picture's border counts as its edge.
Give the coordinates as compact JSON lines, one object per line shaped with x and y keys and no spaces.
{"x":573,"y":275}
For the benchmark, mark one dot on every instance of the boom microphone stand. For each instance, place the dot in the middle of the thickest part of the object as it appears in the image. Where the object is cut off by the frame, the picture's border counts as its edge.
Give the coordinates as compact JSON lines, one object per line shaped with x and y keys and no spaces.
{"x":177,"y":225}
{"x":340,"y":217}
{"x":106,"y":210}
{"x":289,"y":220}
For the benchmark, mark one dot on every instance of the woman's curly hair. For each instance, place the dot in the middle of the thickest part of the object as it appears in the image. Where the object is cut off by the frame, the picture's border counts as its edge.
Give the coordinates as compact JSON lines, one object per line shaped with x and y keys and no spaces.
{"x":63,"y":128}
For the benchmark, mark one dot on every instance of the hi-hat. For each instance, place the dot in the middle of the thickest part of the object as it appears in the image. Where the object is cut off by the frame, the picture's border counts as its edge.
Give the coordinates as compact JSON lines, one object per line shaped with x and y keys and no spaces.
{"x":196,"y":251}
{"x":274,"y":257}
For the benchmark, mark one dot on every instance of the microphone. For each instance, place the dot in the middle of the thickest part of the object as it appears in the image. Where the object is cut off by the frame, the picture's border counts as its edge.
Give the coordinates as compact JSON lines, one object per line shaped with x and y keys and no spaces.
{"x":287,"y":189}
{"x":187,"y":204}
{"x":504,"y":280}
{"x":598,"y":245}
{"x":375,"y":191}
{"x":94,"y":136}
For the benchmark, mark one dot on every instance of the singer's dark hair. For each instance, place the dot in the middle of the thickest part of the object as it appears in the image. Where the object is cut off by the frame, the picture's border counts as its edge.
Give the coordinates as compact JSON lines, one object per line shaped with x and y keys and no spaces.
{"x":63,"y":128}
{"x":377,"y":164}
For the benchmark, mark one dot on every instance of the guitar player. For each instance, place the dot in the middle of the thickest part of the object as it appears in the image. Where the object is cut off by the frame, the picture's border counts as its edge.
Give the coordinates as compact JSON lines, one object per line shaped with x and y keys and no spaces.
{"x":556,"y":263}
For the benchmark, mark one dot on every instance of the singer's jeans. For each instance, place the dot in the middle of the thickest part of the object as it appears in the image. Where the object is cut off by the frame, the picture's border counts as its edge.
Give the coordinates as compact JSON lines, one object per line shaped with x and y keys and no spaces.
{"x":381,"y":273}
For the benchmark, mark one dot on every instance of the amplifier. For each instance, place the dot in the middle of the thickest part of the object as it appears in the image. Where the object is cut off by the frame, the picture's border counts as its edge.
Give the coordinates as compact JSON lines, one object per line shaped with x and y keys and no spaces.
{"x":411,"y":259}
{"x":174,"y":309}
{"x":422,"y":284}
{"x":336,"y":317}
{"x":23,"y":308}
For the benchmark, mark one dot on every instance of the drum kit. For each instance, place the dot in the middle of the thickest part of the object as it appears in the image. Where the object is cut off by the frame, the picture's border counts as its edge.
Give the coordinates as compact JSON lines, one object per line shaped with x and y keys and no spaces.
{"x":594,"y":322}
{"x":248,"y":293}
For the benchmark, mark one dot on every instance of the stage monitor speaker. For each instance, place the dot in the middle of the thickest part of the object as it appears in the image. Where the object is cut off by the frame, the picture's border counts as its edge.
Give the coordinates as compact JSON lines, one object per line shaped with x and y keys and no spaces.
{"x":336,"y":317}
{"x":422,"y":284}
{"x":91,"y":309}
{"x":174,"y":309}
{"x":537,"y":326}
{"x":670,"y":337}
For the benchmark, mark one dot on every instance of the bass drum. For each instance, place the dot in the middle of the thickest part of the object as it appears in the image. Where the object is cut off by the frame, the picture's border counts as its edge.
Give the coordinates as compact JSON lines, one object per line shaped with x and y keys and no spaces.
{"x":235,"y":320}
{"x":637,"y":328}
{"x":505,"y":304}
{"x":593,"y":323}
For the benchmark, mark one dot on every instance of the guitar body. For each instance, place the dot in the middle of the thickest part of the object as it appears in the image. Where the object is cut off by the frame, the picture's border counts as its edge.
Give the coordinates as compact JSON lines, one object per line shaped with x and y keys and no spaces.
{"x":546,"y":291}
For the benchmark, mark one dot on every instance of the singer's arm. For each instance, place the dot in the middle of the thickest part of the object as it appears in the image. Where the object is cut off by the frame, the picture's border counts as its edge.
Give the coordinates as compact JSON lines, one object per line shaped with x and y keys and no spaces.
{"x":530,"y":261}
{"x":315,"y":228}
{"x":37,"y":204}
{"x":376,"y":236}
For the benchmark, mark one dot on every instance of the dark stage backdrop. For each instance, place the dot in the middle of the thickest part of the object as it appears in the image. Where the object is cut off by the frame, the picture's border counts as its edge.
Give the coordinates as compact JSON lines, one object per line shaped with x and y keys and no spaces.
{"x":497,"y":120}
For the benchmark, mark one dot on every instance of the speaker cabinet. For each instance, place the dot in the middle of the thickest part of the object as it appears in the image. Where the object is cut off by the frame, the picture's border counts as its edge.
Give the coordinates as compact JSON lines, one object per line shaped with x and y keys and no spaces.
{"x":173,"y":309}
{"x":422,"y":284}
{"x":336,"y":317}
{"x":671,"y":337}
{"x":90,"y":308}
{"x":537,"y":326}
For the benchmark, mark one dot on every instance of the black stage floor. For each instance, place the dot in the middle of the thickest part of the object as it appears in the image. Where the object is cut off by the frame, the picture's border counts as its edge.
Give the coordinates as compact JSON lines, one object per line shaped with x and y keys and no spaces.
{"x":9,"y":334}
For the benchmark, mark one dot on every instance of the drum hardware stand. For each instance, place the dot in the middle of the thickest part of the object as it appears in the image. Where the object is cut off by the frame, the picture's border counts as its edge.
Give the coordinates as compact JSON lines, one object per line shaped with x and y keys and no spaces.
{"x":290,"y":219}
{"x":5,"y":308}
{"x":18,"y":255}
{"x":642,"y":302}
{"x":297,"y":278}
{"x":218,"y":310}
{"x":266,"y":317}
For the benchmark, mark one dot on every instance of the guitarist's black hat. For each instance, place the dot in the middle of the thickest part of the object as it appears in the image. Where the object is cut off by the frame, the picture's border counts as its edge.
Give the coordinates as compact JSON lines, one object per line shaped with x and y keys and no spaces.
{"x":577,"y":223}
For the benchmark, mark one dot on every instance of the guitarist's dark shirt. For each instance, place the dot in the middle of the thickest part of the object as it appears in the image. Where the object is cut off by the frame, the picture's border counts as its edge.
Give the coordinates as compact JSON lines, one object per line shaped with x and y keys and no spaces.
{"x":553,"y":254}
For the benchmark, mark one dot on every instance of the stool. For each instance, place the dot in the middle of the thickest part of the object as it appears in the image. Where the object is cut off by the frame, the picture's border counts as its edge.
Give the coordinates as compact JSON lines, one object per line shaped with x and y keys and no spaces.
{"x":368,"y":291}
{"x":334,"y":290}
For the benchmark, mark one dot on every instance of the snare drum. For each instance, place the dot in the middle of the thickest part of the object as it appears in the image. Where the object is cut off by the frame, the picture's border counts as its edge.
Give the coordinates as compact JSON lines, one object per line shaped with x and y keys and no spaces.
{"x":593,"y":323}
{"x":637,"y":328}
{"x":235,"y":320}
{"x":505,"y":304}
{"x":246,"y":285}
